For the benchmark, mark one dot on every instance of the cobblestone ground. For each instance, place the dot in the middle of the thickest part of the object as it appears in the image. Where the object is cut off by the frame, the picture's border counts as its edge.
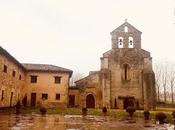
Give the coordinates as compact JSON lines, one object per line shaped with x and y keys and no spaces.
{"x":74,"y":122}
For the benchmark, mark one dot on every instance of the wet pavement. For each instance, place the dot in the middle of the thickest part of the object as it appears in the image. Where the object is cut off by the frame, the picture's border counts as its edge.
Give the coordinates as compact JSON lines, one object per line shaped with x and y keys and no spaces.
{"x":74,"y":122}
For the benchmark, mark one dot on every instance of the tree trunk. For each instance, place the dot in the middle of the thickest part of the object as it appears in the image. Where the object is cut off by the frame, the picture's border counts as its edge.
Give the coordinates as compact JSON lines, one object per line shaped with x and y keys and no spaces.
{"x":172,"y":96}
{"x":164,"y":86}
{"x":158,"y":94}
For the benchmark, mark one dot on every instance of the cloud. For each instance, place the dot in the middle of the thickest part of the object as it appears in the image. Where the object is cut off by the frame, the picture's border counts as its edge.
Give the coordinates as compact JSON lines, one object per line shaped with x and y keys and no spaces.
{"x":74,"y":34}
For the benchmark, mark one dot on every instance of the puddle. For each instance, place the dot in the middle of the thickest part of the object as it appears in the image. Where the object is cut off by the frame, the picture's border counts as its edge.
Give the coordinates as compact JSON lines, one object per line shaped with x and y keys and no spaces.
{"x":74,"y":122}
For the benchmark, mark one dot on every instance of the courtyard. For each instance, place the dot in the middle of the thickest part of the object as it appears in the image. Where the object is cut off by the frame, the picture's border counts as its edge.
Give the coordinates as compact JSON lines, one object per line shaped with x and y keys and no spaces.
{"x":71,"y":119}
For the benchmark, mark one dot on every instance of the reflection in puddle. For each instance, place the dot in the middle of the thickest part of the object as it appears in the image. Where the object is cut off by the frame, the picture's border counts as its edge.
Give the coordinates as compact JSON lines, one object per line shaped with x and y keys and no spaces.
{"x":73,"y":122}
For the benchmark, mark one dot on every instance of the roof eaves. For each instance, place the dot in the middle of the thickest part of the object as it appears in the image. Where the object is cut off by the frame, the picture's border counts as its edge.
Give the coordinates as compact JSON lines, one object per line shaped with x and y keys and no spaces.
{"x":87,"y":76}
{"x":8,"y":55}
{"x":125,"y":23}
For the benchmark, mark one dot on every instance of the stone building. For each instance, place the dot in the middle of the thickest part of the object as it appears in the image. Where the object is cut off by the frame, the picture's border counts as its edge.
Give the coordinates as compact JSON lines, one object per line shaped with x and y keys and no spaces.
{"x":126,"y":77}
{"x":47,"y":82}
{"x":12,"y":75}
{"x":31,"y":83}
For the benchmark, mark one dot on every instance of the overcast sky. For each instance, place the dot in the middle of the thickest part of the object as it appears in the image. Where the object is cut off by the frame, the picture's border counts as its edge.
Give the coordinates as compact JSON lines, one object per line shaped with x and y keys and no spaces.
{"x":75,"y":33}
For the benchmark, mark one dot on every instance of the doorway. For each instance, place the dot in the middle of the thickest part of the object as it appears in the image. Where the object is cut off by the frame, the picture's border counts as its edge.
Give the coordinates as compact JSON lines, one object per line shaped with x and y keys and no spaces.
{"x":33,"y":100}
{"x":71,"y":100}
{"x":11,"y":99}
{"x":90,"y":101}
{"x":128,"y":102}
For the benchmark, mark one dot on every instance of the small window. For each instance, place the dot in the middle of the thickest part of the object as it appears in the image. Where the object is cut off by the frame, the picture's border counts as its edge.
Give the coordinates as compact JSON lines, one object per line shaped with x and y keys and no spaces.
{"x":20,"y":77}
{"x":126,"y":29}
{"x":57,"y":96}
{"x":126,"y":72}
{"x":2,"y":95}
{"x":5,"y":69}
{"x":130,"y":42}
{"x":33,"y":79}
{"x":44,"y":96}
{"x":120,"y":42}
{"x":57,"y":79}
{"x":13,"y":73}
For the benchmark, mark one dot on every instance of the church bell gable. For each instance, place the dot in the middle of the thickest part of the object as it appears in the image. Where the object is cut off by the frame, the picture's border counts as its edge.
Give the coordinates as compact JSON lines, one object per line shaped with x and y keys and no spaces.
{"x":126,"y":36}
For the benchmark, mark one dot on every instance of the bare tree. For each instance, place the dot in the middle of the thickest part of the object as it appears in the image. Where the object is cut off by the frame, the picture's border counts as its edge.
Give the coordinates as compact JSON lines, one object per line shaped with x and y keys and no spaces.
{"x":157,"y":70}
{"x":172,"y":81}
{"x":76,"y":76}
{"x":164,"y":81}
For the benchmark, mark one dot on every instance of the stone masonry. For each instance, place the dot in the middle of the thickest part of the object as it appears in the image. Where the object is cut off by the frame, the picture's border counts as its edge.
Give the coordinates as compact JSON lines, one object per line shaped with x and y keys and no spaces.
{"x":17,"y":84}
{"x":126,"y":77}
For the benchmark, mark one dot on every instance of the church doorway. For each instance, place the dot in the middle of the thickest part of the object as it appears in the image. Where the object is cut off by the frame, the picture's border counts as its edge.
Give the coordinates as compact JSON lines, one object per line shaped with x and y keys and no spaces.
{"x":128,"y":102}
{"x":90,"y":101}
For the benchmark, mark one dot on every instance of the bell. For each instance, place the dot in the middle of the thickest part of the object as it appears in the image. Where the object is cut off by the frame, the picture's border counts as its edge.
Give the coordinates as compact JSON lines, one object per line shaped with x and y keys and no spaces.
{"x":130,"y":42}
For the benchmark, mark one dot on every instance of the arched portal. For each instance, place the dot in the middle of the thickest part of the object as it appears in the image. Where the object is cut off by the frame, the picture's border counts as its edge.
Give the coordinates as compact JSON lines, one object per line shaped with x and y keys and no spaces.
{"x":128,"y":102}
{"x":90,"y":101}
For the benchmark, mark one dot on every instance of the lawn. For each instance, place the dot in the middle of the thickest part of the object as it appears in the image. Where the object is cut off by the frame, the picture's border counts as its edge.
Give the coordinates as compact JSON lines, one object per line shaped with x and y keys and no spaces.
{"x":111,"y":112}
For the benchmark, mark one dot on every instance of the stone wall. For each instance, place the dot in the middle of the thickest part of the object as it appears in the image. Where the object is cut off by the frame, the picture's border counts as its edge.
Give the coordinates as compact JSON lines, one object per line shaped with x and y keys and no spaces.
{"x":132,"y":32}
{"x":126,"y":76}
{"x":90,"y":85}
{"x":11,"y":87}
{"x":46,"y":85}
{"x":15,"y":84}
{"x":74,"y":91}
{"x":149,"y":90}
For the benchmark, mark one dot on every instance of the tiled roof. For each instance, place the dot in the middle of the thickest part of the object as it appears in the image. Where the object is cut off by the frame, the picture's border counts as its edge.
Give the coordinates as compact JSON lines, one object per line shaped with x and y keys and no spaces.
{"x":35,"y":67}
{"x":45,"y":67}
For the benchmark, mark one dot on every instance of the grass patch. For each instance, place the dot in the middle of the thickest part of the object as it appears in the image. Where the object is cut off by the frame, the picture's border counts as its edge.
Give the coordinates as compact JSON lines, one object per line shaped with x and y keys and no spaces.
{"x":110,"y":112}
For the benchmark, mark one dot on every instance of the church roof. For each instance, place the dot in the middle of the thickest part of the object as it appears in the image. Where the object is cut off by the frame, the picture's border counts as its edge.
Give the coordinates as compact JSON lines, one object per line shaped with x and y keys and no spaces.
{"x":91,"y":73}
{"x":121,"y":27}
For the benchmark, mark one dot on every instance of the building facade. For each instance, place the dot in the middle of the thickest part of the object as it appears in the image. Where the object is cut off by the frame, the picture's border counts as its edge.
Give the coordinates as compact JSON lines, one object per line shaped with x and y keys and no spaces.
{"x":32,"y":83}
{"x":126,"y":77}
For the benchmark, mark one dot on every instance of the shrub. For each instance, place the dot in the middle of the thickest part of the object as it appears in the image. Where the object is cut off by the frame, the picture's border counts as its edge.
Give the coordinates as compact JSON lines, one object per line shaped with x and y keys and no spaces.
{"x":161,"y":117}
{"x":146,"y":115}
{"x":104,"y":110}
{"x":84,"y":111}
{"x":18,"y":107}
{"x":130,"y":110}
{"x":43,"y":110}
{"x":173,"y":114}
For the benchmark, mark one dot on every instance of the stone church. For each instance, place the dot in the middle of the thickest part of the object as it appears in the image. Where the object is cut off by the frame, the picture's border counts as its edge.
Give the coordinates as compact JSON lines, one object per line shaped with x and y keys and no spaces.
{"x":126,"y":77}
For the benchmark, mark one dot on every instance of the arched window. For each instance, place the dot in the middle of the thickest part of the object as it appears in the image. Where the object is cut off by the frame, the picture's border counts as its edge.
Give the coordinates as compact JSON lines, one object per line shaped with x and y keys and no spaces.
{"x":120,"y":42}
{"x":126,"y":29}
{"x":126,"y":72}
{"x":130,"y":42}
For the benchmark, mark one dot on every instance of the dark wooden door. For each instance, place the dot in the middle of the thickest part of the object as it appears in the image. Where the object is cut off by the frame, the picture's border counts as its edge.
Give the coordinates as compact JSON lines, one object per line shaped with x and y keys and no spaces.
{"x":24,"y":101}
{"x":125,"y":103}
{"x":33,"y":100}
{"x":128,"y":102}
{"x":115,"y":103}
{"x":90,"y":101}
{"x":71,"y":100}
{"x":11,"y":99}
